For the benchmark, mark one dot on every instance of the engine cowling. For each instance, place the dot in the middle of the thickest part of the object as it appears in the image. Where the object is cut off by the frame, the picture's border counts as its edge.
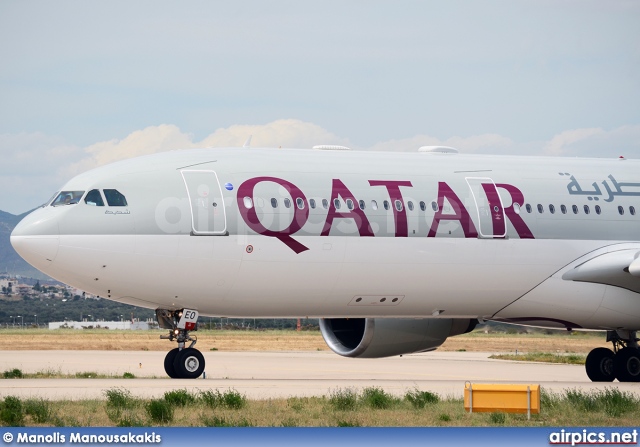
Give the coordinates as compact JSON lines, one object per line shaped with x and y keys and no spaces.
{"x":385,"y":337}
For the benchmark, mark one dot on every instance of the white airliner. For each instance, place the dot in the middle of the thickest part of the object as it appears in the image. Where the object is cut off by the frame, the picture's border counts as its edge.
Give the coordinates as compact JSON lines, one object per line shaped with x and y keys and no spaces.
{"x":394,"y":252}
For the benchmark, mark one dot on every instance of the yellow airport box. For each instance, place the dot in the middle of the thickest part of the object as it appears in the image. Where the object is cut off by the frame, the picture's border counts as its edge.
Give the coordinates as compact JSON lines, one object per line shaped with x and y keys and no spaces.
{"x":483,"y":397}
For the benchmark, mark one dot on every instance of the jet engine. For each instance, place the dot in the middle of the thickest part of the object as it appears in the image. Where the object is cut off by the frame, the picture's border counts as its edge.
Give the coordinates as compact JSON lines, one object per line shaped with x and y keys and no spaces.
{"x":385,"y":337}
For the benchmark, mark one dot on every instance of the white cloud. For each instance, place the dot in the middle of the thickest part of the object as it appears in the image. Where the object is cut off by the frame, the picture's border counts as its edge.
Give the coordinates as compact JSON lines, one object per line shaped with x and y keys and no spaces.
{"x":289,"y":133}
{"x":166,"y":137}
{"x":596,"y":142}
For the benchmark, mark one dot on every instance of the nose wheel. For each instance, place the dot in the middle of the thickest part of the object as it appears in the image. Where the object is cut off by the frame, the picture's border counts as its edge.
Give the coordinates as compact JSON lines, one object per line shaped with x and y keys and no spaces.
{"x":181,"y":362}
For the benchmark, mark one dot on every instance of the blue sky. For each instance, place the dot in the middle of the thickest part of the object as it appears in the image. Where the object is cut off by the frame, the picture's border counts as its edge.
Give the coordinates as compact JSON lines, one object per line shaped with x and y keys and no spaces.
{"x":86,"y":83}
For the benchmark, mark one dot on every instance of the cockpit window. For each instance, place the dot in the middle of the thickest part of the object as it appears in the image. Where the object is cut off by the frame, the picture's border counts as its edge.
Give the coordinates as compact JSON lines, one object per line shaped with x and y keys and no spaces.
{"x":67,"y":198}
{"x":94,"y":198}
{"x":50,"y":200}
{"x":115,"y":198}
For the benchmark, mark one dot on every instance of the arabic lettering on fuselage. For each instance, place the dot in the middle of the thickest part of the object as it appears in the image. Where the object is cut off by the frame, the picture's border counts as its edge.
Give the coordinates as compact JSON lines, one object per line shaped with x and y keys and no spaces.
{"x":117,"y":212}
{"x":393,"y":187}
{"x":574,"y":188}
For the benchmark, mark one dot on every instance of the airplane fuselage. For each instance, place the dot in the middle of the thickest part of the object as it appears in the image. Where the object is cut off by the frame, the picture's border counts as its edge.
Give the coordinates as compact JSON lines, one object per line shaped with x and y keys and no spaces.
{"x":291,"y":233}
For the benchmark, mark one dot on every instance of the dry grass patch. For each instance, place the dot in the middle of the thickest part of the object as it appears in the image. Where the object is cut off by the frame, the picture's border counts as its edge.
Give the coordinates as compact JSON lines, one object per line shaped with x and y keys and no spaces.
{"x":276,"y":340}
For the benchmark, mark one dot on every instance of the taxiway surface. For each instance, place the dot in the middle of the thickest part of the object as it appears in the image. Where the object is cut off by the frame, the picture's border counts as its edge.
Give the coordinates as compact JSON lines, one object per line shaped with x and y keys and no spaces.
{"x":261,"y":375}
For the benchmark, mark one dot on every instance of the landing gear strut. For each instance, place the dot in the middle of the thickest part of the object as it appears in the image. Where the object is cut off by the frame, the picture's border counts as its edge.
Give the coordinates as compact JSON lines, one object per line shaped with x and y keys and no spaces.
{"x":181,"y":362}
{"x":622,"y":363}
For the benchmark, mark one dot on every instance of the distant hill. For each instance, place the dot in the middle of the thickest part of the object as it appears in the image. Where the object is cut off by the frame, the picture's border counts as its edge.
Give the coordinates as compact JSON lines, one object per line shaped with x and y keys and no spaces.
{"x":10,"y":261}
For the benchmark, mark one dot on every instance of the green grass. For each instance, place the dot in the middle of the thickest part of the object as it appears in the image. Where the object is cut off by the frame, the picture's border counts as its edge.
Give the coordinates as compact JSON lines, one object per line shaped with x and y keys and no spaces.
{"x":546,"y":357}
{"x":371,"y":406}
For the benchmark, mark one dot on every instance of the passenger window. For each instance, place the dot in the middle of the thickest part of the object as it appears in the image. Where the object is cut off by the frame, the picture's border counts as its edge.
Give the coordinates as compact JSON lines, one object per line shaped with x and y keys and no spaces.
{"x":362,"y":204}
{"x":94,"y":198}
{"x":621,"y":210}
{"x":274,"y":203}
{"x":350,"y":204}
{"x":68,"y":198}
{"x":434,"y":206}
{"x":386,"y":205}
{"x":516,"y":207}
{"x":115,"y":197}
{"x":410,"y":205}
{"x":632,"y":210}
{"x":563,"y":209}
{"x":540,"y":209}
{"x":260,"y":202}
{"x":528,"y":207}
{"x":248,"y":203}
{"x":575,"y":209}
{"x":398,"y":205}
{"x":312,"y":203}
{"x":336,"y":203}
{"x":374,"y":205}
{"x":325,"y":204}
{"x":423,"y":206}
{"x":586,"y":209}
{"x":300,"y":203}
{"x":287,"y":203}
{"x":598,"y":210}
{"x":552,"y":209}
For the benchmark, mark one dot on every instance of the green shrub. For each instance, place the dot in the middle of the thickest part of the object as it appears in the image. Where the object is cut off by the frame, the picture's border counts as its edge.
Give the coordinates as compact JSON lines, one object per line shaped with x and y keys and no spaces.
{"x":210,"y":398}
{"x":348,"y":424}
{"x":38,"y":410}
{"x":216,"y":421}
{"x":295,"y":403}
{"x":13,"y":374}
{"x":160,"y":411}
{"x":11,"y":412}
{"x":233,"y":399}
{"x":129,"y":420}
{"x":87,"y":375}
{"x":377,"y":398}
{"x":179,"y":398}
{"x":343,"y":399}
{"x":119,"y":398}
{"x":497,"y":418}
{"x":444,"y":417}
{"x":420,"y":399}
{"x":128,"y":375}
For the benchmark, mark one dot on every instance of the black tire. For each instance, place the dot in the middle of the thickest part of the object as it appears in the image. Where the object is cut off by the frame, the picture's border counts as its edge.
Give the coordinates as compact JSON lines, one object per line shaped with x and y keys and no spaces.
{"x":168,"y":363}
{"x":600,"y":365}
{"x":189,"y":364}
{"x":627,"y":365}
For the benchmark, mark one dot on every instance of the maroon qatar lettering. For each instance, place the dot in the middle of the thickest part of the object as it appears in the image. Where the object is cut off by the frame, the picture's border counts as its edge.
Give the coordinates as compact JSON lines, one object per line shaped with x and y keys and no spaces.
{"x":250,"y":216}
{"x":340,"y":191}
{"x":460,"y":213}
{"x":360,"y":218}
{"x":399,"y":216}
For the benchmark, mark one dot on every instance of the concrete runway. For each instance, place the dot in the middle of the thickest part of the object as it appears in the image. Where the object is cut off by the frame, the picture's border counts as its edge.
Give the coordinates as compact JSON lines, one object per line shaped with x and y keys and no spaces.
{"x":283,"y":374}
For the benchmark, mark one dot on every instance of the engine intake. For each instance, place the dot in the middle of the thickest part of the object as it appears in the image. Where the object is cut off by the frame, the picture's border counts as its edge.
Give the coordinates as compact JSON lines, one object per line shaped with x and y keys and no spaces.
{"x":386,"y":337}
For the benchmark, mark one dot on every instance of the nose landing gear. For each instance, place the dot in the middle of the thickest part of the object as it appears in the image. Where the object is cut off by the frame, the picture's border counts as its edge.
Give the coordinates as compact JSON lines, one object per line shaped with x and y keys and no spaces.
{"x":181,"y":362}
{"x":623,"y":363}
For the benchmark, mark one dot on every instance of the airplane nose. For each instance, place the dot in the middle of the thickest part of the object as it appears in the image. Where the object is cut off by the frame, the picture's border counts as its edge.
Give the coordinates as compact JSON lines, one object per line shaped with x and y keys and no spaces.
{"x":36,"y":238}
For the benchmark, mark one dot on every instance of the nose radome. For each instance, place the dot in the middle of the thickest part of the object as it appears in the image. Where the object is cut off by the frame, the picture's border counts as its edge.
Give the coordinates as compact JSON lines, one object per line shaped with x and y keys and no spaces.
{"x":36,"y":238}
